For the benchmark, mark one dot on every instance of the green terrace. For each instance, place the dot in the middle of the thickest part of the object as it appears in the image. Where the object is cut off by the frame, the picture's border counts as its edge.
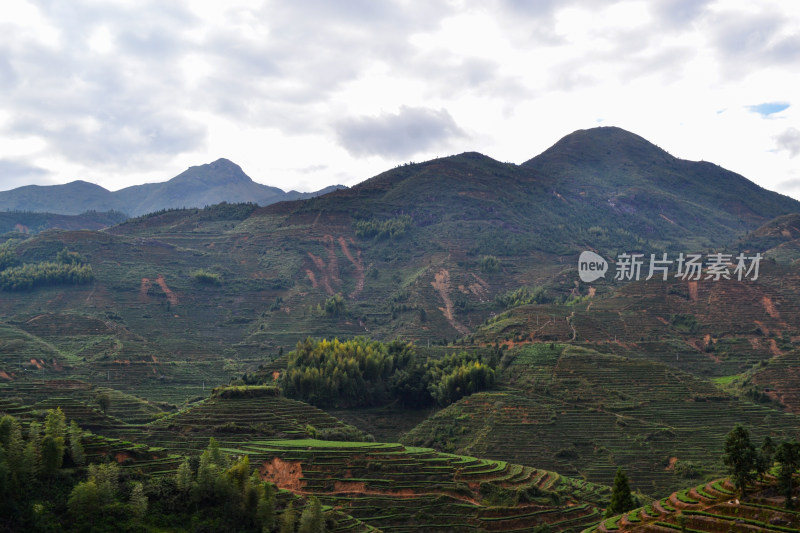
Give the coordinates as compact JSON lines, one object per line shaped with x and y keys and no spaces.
{"x":710,"y":507}
{"x":394,"y":487}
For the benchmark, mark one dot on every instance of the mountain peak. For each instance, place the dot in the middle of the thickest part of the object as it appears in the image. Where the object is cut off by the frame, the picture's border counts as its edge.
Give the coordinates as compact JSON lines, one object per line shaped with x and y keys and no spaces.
{"x":220,"y":172}
{"x":601,"y":143}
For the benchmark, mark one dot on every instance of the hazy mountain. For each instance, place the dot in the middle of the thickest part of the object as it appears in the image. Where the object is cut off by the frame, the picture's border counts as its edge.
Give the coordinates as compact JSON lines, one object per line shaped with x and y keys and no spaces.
{"x":463,"y":249}
{"x":198,"y":186}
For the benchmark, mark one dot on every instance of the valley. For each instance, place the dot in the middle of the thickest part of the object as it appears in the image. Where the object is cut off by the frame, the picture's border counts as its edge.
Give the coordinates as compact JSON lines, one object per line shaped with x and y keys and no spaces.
{"x":185,"y":333}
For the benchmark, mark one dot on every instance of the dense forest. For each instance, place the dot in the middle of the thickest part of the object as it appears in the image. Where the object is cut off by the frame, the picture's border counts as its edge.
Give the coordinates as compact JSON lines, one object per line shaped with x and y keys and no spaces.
{"x":68,"y":268}
{"x":46,"y":484}
{"x":362,"y":373}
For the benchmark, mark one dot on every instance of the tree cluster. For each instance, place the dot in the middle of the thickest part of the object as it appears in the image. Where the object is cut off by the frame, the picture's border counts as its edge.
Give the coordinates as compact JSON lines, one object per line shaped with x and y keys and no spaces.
{"x":746,"y":464}
{"x":31,"y":461}
{"x":363,"y":373}
{"x":68,"y":268}
{"x":47,"y":485}
{"x":393,"y":228}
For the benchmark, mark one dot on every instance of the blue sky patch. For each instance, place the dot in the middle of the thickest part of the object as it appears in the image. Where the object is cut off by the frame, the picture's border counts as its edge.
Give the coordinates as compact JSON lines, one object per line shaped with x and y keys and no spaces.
{"x":768,"y":108}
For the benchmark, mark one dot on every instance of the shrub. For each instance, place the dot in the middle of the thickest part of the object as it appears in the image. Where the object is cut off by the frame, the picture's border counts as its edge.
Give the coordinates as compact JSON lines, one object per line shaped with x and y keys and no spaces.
{"x":206,"y":278}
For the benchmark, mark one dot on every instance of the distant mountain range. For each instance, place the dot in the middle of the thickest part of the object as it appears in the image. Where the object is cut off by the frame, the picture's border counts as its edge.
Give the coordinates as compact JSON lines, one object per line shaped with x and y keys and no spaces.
{"x":198,"y":186}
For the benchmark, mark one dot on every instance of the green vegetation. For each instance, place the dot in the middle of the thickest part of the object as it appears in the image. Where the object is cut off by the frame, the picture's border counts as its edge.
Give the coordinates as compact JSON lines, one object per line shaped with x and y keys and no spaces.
{"x":206,"y":278}
{"x":741,"y":458}
{"x":622,"y":500}
{"x":788,"y":457}
{"x":211,"y":492}
{"x":522,"y":296}
{"x":68,"y":268}
{"x":363,"y":373}
{"x":30,"y":276}
{"x":391,"y":229}
{"x":489,"y":263}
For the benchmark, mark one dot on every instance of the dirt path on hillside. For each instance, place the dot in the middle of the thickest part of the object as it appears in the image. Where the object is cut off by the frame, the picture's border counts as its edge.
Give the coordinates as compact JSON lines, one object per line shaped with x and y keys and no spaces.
{"x":312,"y":277}
{"x":325,"y":280}
{"x":693,"y":291}
{"x":769,"y":307}
{"x":143,"y":288}
{"x":171,"y":296}
{"x":333,"y":262}
{"x":358,"y":264}
{"x":147,"y":283}
{"x":441,"y":282}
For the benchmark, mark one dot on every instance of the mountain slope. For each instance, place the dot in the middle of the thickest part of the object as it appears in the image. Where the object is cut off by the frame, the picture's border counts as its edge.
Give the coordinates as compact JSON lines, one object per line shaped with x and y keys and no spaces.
{"x":198,"y":186}
{"x":68,"y":199}
{"x":420,"y":252}
{"x":642,"y":186}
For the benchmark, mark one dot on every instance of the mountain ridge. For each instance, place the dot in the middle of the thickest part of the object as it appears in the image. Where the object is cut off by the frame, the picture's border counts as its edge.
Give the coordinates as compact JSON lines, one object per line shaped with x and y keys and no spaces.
{"x":200,"y":185}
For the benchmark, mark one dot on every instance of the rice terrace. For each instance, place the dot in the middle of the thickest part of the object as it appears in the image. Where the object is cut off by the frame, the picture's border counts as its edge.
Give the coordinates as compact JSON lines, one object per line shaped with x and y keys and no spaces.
{"x":413,"y":353}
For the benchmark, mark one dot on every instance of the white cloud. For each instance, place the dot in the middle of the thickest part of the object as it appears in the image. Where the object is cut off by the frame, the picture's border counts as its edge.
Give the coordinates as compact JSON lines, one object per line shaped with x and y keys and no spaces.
{"x":315,"y":92}
{"x":408,"y":132}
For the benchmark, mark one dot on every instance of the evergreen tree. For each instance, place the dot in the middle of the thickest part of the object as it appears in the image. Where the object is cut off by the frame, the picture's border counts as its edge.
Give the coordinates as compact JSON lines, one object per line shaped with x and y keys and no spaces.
{"x":312,"y":521}
{"x":14,"y":446}
{"x":288,"y":519}
{"x":5,"y":476}
{"x":740,"y":457}
{"x":788,"y":457}
{"x":103,"y":400}
{"x":52,"y":454}
{"x":765,"y":456}
{"x":266,"y":507}
{"x":138,"y":502}
{"x":84,"y":502}
{"x":621,"y":498}
{"x":55,"y":425}
{"x":183,"y":477}
{"x":106,"y":479}
{"x":75,"y":446}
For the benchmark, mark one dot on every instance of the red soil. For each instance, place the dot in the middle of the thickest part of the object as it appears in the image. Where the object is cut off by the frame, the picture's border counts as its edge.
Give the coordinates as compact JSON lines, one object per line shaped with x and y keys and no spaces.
{"x":284,"y":474}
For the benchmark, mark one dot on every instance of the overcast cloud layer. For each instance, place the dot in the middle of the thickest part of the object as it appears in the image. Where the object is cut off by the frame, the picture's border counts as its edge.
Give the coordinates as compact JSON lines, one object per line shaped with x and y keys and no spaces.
{"x":304,"y":94}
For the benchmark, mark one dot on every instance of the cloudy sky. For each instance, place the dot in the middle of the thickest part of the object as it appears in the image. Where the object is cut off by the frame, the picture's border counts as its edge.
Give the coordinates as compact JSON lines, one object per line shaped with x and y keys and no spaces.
{"x":306,"y":93}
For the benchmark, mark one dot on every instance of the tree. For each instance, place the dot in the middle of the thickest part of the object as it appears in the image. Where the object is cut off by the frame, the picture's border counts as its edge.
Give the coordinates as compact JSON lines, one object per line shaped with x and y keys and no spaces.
{"x":765,"y":456}
{"x":75,"y":445}
{"x":740,"y":457}
{"x":52,"y":454}
{"x":55,"y":425}
{"x":138,"y":501}
{"x":84,"y":502}
{"x":5,"y":476}
{"x":106,"y":479}
{"x":312,"y":521}
{"x":183,"y":477}
{"x":621,"y":498}
{"x":266,"y":507}
{"x":788,"y":457}
{"x":335,"y":305}
{"x":288,"y":519}
{"x":104,"y":401}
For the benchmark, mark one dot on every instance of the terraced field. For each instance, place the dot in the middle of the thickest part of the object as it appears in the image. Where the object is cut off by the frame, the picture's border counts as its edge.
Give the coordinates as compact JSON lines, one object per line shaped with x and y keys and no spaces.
{"x":708,"y":328}
{"x":582,"y":413}
{"x":398,"y":488}
{"x":711,"y":507}
{"x":233,"y":420}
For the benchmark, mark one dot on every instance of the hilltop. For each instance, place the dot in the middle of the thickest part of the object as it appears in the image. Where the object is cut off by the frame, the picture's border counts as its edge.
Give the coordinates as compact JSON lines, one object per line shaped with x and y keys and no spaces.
{"x":461,"y":253}
{"x":197,"y":186}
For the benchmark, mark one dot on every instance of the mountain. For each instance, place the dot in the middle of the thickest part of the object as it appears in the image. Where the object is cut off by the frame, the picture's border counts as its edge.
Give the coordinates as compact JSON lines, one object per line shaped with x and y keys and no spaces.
{"x":198,"y":186}
{"x":441,"y":253}
{"x":644,"y":188}
{"x":30,"y":222}
{"x":69,"y":199}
